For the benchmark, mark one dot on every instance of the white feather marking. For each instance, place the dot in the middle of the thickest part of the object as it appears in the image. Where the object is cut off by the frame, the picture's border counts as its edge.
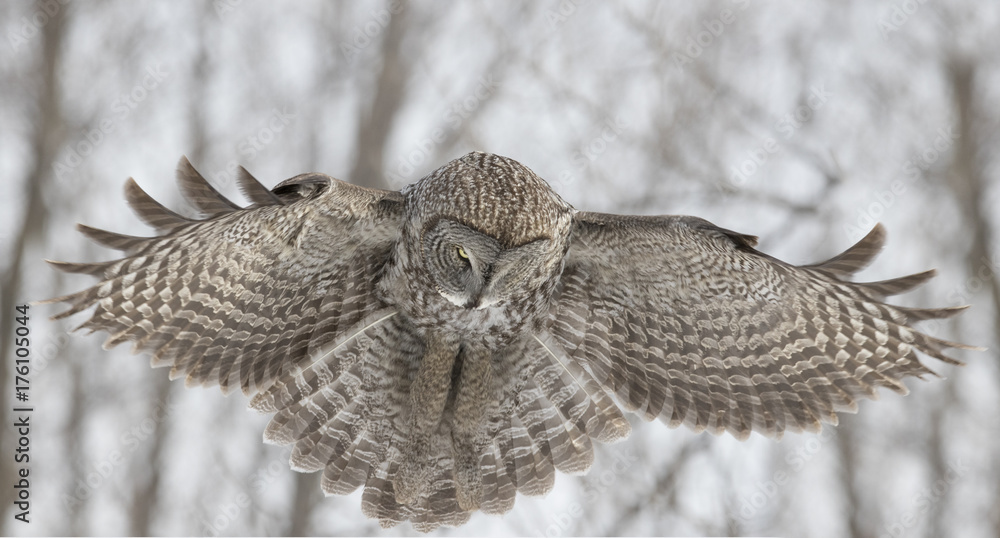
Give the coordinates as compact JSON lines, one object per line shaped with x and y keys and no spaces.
{"x":354,"y":335}
{"x":456,"y":300}
{"x":558,"y":360}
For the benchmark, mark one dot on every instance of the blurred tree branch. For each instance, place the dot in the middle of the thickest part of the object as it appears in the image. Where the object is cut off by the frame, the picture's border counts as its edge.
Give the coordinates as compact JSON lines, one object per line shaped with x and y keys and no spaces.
{"x":663,"y":493}
{"x":968,"y":181}
{"x":378,"y":115}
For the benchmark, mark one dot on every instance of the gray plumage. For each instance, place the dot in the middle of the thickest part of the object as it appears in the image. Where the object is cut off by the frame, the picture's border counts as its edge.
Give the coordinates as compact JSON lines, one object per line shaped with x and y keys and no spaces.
{"x":450,"y":345}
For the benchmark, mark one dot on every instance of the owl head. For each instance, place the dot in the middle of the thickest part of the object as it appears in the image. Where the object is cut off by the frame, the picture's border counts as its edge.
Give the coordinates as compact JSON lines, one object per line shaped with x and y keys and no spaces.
{"x":489,"y":229}
{"x":473,"y":269}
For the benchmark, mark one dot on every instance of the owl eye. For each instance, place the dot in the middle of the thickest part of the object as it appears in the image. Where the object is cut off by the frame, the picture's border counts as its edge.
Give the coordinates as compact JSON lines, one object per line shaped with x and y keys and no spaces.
{"x":461,"y":253}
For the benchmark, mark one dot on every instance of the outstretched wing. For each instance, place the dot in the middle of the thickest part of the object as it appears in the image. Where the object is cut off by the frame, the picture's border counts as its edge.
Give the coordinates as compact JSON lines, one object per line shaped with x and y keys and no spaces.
{"x":687,"y":322}
{"x":247,"y":294}
{"x":280,"y":299}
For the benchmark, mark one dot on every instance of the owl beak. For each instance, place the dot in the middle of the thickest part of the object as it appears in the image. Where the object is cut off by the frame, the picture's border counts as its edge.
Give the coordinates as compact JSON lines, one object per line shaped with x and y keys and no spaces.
{"x":482,"y":303}
{"x":477,"y":303}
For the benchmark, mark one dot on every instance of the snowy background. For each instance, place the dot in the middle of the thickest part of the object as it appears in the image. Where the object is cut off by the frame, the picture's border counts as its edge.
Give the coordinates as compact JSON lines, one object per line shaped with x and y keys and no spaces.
{"x":801,"y":122}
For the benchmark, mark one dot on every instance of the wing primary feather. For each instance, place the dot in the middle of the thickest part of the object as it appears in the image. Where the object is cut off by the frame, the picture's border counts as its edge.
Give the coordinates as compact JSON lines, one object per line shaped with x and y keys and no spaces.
{"x":896,"y":286}
{"x":921,"y":314}
{"x":122,"y":242}
{"x":150,"y":211}
{"x":856,"y":258}
{"x":254,"y":190}
{"x":93,"y":269}
{"x":199,"y":193}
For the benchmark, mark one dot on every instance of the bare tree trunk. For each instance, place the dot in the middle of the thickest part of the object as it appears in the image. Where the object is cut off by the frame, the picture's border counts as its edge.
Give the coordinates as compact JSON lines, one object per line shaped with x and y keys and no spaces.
{"x":307,"y":487}
{"x":849,"y":473}
{"x":375,"y":124}
{"x":938,"y":466}
{"x":968,"y":181}
{"x":45,"y":145}
{"x":145,"y":499}
{"x":75,"y":516}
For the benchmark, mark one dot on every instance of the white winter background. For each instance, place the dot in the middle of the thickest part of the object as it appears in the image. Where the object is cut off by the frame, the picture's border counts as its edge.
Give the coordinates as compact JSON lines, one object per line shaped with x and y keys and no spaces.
{"x":803,"y":122}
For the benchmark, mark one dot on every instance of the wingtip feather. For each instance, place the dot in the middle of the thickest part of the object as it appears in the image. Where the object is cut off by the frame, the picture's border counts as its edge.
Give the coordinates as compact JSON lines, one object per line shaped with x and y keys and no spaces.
{"x":857,"y":257}
{"x":199,"y":192}
{"x":254,"y":190}
{"x":149,"y":210}
{"x":117,"y":241}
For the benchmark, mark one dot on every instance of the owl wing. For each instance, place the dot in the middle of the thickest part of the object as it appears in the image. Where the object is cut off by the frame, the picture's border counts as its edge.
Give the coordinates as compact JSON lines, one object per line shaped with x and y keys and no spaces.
{"x":245,"y":295}
{"x":687,"y":322}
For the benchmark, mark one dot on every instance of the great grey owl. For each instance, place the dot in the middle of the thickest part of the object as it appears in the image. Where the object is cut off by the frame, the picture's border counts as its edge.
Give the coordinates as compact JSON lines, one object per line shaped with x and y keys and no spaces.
{"x":454,"y":343}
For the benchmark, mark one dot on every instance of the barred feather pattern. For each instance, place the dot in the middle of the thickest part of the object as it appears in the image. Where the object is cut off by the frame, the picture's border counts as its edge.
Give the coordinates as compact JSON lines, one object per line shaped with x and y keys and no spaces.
{"x":280,"y":299}
{"x":347,"y":414}
{"x":317,"y":300}
{"x":687,"y":323}
{"x":235,"y":299}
